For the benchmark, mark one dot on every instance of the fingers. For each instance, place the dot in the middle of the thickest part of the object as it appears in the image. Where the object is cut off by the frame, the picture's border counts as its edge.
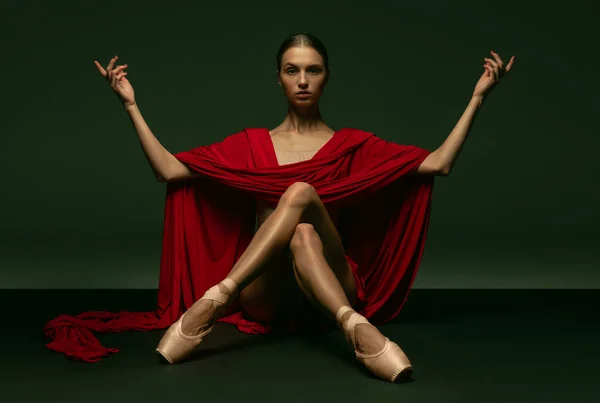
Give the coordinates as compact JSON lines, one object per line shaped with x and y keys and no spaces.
{"x":495,"y":68}
{"x":112,"y":74}
{"x":117,"y":69}
{"x":111,"y":63}
{"x":100,"y":69}
{"x":500,"y":63}
{"x":490,"y":71}
{"x":117,"y":78}
{"x":492,"y":62}
{"x":510,"y":64}
{"x":109,"y":71}
{"x":497,"y":58}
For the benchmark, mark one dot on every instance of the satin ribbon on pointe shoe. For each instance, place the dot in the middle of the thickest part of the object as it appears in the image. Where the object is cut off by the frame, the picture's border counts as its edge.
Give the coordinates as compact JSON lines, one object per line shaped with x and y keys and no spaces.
{"x":390,"y":364}
{"x":175,"y":345}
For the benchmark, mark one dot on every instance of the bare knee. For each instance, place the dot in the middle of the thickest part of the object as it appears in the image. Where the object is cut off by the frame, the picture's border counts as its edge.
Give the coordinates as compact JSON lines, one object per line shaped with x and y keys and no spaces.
{"x":305,"y":237}
{"x":299,"y":194}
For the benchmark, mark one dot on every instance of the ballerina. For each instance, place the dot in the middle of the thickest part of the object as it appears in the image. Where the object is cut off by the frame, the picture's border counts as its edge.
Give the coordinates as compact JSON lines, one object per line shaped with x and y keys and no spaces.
{"x":296,"y":259}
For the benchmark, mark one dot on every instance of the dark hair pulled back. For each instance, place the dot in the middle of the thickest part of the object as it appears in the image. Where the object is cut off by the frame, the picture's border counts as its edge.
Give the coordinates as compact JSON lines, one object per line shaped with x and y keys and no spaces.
{"x":303,"y":39}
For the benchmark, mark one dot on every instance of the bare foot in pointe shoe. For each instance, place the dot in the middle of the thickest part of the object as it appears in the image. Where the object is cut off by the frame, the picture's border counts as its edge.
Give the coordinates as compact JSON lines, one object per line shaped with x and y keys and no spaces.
{"x":382,"y":357}
{"x":201,"y":315}
{"x":183,"y":336}
{"x":369,"y":340}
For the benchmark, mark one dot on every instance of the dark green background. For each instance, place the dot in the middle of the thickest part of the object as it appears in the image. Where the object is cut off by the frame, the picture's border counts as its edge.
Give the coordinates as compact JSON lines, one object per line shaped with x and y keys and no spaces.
{"x":81,"y":208}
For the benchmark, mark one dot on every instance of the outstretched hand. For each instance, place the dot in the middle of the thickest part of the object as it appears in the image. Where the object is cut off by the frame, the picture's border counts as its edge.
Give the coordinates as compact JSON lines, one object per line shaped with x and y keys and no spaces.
{"x":493,"y":73}
{"x":117,"y":80}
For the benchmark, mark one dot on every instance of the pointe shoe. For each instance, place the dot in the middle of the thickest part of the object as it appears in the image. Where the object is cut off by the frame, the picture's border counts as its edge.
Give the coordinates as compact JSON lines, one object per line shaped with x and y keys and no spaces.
{"x":390,"y":364}
{"x":175,"y":345}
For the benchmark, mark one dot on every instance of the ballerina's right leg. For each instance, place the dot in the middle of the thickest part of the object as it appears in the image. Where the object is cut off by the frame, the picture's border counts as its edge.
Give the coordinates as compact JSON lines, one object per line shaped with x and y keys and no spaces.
{"x":321,"y":270}
{"x":300,"y":203}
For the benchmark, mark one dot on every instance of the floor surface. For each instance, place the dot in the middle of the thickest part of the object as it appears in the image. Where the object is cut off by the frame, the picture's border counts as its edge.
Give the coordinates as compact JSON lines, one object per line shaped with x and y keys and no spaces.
{"x":465,"y":346}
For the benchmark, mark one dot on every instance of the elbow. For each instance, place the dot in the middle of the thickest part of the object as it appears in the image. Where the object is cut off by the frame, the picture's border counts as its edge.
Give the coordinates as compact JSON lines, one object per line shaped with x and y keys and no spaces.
{"x":444,"y":171}
{"x":161,"y":178}
{"x":164,"y":175}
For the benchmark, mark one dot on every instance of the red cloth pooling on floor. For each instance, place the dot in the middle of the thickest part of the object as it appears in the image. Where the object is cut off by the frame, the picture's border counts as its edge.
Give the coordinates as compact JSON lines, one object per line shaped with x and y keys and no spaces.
{"x":209,"y":221}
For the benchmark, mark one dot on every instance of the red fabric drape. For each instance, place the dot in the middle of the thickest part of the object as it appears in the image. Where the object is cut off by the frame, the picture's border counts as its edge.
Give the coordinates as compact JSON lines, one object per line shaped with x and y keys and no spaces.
{"x":209,"y":222}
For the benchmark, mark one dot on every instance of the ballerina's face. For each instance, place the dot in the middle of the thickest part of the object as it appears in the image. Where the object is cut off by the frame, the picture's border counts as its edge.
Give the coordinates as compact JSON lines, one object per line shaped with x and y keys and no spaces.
{"x":302,"y":69}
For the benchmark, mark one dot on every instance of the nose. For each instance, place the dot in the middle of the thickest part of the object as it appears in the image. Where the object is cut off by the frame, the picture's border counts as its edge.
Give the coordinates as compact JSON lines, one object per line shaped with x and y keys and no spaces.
{"x":302,"y":82}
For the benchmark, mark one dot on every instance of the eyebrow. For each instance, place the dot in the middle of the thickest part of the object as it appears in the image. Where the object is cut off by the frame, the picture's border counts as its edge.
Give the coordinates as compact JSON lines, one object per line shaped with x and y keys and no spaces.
{"x":312,"y":65}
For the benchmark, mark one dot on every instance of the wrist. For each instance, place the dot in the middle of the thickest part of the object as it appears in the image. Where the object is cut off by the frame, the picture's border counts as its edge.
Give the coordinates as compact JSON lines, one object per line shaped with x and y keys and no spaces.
{"x":130,"y":106}
{"x":477,"y":100}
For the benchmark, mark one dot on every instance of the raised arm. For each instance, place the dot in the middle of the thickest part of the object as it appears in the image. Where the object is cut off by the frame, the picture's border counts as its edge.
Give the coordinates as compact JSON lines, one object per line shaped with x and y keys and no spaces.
{"x":164,"y":165}
{"x":442,"y":160}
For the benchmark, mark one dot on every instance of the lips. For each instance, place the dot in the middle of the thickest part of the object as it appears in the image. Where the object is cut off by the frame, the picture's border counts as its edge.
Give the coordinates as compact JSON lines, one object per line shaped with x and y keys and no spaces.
{"x":303,"y":93}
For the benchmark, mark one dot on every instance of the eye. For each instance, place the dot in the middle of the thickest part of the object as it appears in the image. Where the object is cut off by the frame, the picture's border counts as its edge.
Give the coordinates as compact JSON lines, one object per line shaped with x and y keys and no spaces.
{"x":313,"y":70}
